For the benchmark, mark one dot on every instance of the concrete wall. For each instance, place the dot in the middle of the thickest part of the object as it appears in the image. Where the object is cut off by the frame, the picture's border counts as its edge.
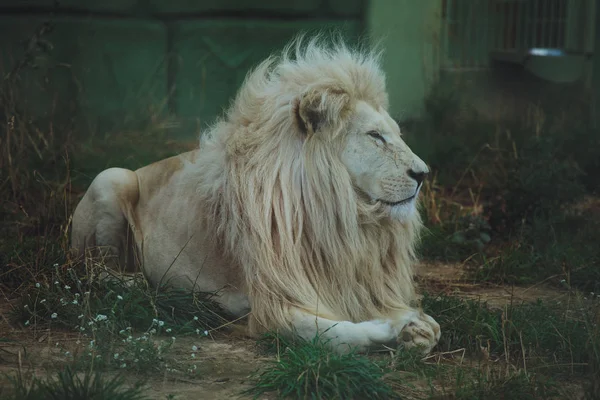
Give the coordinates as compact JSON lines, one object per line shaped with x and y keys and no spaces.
{"x":126,"y":63}
{"x":122,"y":63}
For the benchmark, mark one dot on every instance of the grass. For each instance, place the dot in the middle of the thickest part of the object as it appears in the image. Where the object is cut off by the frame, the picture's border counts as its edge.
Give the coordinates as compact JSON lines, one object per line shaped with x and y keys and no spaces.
{"x":543,"y":336}
{"x":68,"y":384}
{"x":517,"y":352}
{"x":311,"y":370}
{"x":521,"y":352}
{"x":123,"y":320}
{"x":70,"y":293}
{"x":503,"y":204}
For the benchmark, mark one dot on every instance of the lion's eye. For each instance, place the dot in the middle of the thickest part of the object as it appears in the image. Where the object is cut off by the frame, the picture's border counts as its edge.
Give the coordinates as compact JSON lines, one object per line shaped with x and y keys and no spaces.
{"x":376,"y":135}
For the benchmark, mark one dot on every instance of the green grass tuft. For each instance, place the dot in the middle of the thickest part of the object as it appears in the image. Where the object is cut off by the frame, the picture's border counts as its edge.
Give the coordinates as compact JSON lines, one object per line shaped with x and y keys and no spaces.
{"x":68,"y":384}
{"x":311,"y":370}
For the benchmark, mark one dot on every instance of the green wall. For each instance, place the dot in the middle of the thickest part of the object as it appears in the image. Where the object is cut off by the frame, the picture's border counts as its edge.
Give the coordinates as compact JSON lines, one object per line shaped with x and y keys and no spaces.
{"x":129,"y":63}
{"x":408,"y":30}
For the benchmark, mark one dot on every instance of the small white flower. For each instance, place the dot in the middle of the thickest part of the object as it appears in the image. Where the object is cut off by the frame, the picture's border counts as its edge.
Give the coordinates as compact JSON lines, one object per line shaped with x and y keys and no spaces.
{"x":77,"y":295}
{"x":168,"y":330}
{"x":120,"y":297}
{"x":136,"y":360}
{"x":57,"y":283}
{"x":195,"y":318}
{"x":26,"y":306}
{"x":101,"y":317}
{"x":80,"y":316}
{"x":197,"y":331}
{"x":37,"y":285}
{"x":152,"y":331}
{"x":56,"y":265}
{"x":193,"y":355}
{"x":116,"y":355}
{"x":92,"y":343}
{"x":27,"y":323}
{"x":161,"y":323}
{"x":123,"y":365}
{"x":194,"y":348}
{"x":205,"y":333}
{"x":67,"y":353}
{"x":42,"y":301}
{"x":75,"y":301}
{"x":54,"y":315}
{"x":67,"y":287}
{"x":173,"y":338}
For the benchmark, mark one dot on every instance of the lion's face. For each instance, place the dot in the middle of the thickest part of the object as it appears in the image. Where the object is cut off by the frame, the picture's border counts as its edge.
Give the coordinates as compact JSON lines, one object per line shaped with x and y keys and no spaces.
{"x":381,"y":165}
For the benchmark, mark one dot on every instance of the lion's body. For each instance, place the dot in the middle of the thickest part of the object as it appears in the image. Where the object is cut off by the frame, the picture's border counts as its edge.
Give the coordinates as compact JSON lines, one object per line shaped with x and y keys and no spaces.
{"x":273,"y":209}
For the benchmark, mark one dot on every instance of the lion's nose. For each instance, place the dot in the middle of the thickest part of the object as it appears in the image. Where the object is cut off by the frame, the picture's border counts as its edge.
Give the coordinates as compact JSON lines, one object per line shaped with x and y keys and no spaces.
{"x":417,"y":176}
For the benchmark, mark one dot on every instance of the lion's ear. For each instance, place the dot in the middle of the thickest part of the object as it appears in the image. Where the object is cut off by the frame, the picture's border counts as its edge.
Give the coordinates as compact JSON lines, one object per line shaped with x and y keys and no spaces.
{"x":318,"y":109}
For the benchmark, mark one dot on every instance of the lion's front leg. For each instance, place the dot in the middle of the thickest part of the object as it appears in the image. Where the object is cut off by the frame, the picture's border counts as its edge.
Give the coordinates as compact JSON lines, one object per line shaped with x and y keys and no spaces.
{"x":345,"y":335}
{"x":417,"y":329}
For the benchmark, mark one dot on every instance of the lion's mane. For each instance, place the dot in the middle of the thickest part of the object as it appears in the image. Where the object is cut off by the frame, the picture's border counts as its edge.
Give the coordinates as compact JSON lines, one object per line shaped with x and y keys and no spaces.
{"x":283,"y":205}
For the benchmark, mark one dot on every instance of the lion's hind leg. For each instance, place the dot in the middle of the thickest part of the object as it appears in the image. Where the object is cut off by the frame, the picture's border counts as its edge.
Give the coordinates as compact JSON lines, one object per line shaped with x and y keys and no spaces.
{"x":343,"y":336}
{"x":101,"y":222}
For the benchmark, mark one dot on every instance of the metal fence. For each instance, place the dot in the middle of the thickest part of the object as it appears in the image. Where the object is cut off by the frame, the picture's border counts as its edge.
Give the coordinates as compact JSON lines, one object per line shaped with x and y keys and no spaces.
{"x":472,"y":30}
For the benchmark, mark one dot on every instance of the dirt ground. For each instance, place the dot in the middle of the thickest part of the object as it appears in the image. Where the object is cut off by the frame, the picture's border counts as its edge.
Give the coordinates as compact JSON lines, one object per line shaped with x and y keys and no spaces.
{"x":224,"y":362}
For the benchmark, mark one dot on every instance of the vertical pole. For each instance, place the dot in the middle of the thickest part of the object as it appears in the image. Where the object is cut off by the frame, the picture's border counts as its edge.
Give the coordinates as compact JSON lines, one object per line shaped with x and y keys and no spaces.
{"x":544,"y":20}
{"x":536,"y":24}
{"x":446,"y":32}
{"x":596,"y":70}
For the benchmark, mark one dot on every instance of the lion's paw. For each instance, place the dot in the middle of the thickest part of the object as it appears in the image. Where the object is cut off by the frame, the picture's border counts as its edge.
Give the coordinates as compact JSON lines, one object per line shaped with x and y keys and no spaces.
{"x":422,"y":332}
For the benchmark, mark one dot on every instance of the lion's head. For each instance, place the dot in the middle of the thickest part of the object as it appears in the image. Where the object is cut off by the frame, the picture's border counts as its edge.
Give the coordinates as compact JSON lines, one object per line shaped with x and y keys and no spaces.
{"x":382,"y":167}
{"x":314,"y":189}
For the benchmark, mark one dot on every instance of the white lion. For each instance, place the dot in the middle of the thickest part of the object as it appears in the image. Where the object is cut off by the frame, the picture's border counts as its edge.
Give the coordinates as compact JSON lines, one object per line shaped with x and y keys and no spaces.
{"x":299,"y":206}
